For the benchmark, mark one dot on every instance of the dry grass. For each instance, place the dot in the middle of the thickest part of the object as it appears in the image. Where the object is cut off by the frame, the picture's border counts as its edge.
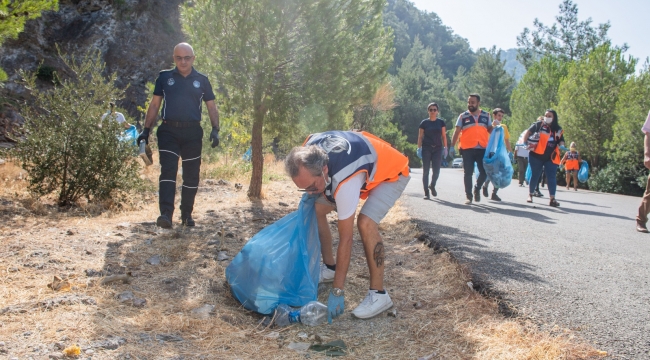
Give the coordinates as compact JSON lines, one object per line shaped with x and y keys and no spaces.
{"x":450,"y":321}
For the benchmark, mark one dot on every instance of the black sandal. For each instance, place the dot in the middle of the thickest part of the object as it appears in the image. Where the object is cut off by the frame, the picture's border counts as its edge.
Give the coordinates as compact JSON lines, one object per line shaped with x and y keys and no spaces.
{"x":554,"y":203}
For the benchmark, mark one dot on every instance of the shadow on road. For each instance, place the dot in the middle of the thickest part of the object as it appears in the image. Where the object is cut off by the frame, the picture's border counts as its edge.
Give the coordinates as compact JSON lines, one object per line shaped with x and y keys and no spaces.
{"x":584,"y":203}
{"x":484,"y":209}
{"x":470,"y":250}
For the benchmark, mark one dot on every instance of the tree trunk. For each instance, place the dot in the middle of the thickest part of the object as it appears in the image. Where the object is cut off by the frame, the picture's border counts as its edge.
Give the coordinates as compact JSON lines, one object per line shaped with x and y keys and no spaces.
{"x":255,"y":188}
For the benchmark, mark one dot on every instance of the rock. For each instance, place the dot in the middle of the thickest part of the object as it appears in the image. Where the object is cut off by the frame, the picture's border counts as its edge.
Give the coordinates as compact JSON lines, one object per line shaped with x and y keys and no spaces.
{"x":55,"y":356}
{"x":303,"y":335}
{"x":272,"y":335}
{"x":223,"y":182}
{"x":89,"y":352}
{"x":392,"y":312}
{"x":417,"y":305}
{"x":111,"y":343}
{"x":283,"y":204}
{"x":429,"y":357}
{"x":298,"y":346}
{"x":13,"y":269}
{"x":210,"y":182}
{"x":148,"y":241}
{"x":168,"y":338}
{"x":93,"y":273}
{"x":214,"y":242}
{"x":222,"y":255}
{"x":137,"y":302}
{"x":70,"y":232}
{"x":239,"y":186}
{"x":203,"y":312}
{"x":59,"y":346}
{"x":2,"y":344}
{"x":126,"y":296}
{"x":154,"y":260}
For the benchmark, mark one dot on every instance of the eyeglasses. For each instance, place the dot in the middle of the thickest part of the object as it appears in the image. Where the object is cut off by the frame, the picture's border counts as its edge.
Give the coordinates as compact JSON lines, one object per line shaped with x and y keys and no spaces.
{"x":433,"y":110}
{"x":312,"y":187}
{"x":181,"y":58}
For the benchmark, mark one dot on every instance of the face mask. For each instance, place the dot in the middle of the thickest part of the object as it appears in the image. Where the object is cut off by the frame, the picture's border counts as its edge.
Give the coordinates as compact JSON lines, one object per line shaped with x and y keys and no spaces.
{"x":548,"y":120}
{"x":497,"y":122}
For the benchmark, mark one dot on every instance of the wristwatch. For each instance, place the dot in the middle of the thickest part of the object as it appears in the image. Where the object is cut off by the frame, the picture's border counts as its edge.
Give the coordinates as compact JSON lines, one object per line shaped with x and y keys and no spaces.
{"x":337,"y":292}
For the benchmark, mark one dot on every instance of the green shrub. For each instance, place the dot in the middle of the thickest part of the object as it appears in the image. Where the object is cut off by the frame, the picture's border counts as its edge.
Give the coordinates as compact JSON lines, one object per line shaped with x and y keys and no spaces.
{"x":620,"y":179}
{"x":67,"y":152}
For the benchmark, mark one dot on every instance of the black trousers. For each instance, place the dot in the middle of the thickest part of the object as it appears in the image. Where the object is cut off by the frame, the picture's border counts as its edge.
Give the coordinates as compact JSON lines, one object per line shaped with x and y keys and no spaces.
{"x":431,"y":159}
{"x":522,"y":165}
{"x":187,"y":144}
{"x":471,"y":156}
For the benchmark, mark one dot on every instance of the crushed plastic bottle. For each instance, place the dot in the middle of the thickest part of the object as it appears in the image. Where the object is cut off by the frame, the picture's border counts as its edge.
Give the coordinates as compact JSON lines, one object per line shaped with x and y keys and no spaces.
{"x":312,"y":314}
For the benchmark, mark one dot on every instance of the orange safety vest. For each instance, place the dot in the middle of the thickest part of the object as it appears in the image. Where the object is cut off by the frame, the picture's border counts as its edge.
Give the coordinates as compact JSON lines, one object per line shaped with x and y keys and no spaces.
{"x":474,"y":132}
{"x":383,"y":163}
{"x":544,"y":134}
{"x":571,"y":161}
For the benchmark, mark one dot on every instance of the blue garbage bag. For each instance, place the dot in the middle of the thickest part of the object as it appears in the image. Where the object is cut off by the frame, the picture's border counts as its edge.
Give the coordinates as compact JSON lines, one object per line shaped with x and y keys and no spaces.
{"x":248,"y":155}
{"x":583,"y":173}
{"x":280,"y":264}
{"x":130,"y":135}
{"x":529,"y":174}
{"x":496,"y":162}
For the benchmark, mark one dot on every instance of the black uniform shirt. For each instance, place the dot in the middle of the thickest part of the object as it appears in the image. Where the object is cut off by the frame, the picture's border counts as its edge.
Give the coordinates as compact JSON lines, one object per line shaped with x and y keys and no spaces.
{"x":182,"y":96}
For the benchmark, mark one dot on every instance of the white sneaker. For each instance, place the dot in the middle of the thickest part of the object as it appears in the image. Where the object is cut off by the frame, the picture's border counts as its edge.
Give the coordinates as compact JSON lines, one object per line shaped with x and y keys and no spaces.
{"x":326,"y":275}
{"x":373,"y":305}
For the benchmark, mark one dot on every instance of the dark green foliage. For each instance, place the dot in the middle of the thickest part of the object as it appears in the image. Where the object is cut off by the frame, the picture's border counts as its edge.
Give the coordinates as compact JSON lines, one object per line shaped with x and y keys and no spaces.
{"x":419,"y":81}
{"x":568,"y":39}
{"x":409,"y":23}
{"x":66,"y":151}
{"x":491,"y":81}
{"x":46,"y":73}
{"x":620,"y":178}
{"x":587,"y":100}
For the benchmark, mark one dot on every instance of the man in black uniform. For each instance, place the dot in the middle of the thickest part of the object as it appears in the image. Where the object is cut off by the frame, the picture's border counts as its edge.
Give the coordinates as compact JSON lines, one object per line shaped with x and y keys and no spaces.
{"x":180,"y":135}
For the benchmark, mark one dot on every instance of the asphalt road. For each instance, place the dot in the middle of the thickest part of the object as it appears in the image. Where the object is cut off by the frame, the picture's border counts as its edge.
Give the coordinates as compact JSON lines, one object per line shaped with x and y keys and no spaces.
{"x":582,"y":266}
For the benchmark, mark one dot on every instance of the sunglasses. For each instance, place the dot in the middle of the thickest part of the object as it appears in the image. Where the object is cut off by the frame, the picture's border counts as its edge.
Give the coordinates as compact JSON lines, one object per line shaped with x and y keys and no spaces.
{"x":433,"y":110}
{"x":181,"y":58}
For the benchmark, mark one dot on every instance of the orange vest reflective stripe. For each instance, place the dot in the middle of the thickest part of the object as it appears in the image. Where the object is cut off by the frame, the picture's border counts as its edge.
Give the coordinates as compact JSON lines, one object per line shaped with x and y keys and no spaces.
{"x":544,"y":135}
{"x":474,"y":132}
{"x":351,"y":153}
{"x":572,"y":162}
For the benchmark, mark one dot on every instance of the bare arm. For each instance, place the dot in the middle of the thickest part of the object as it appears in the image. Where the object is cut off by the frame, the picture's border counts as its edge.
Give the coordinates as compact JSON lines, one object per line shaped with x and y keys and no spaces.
{"x":454,"y":138}
{"x":420,"y":135}
{"x":344,"y":251}
{"x":152,"y":111}
{"x":213,"y":113}
{"x":646,"y":151}
{"x":444,"y":136}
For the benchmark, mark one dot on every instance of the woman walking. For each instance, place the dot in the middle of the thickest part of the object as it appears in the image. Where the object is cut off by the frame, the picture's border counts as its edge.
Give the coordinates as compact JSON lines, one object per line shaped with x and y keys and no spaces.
{"x":432,"y":147}
{"x":544,"y":140}
{"x":572,"y":161}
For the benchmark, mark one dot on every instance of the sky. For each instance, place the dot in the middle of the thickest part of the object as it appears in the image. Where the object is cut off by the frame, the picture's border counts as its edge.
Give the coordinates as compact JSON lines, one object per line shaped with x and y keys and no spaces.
{"x":485,"y":23}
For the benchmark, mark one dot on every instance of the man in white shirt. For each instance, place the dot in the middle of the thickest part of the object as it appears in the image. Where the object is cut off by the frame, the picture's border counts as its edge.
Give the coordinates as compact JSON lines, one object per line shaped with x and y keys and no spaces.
{"x":644,"y":209}
{"x":342,"y":167}
{"x":117,"y":116}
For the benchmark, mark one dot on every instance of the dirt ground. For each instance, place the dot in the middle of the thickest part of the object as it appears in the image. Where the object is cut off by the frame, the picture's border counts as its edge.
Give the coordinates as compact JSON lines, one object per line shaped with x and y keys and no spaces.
{"x":172,"y":274}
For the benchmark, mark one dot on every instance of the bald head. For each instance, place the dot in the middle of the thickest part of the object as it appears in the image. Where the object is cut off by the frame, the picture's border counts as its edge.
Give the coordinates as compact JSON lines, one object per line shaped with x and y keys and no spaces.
{"x":184,"y":58}
{"x":185,"y":47}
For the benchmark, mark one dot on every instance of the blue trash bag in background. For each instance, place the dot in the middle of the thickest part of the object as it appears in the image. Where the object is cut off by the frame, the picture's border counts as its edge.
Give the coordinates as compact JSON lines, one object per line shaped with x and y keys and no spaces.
{"x":130,"y":135}
{"x":280,"y":264}
{"x":496,"y":162}
{"x":583,"y":173}
{"x":248,"y":155}
{"x":529,"y":174}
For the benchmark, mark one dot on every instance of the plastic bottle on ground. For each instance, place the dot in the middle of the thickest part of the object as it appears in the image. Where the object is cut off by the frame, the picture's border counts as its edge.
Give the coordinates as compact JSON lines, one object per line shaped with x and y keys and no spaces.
{"x":312,"y":314}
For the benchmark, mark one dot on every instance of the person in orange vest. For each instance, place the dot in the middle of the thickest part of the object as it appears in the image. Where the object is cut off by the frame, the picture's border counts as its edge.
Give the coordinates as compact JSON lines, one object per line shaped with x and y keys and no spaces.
{"x":644,"y":208}
{"x":343,"y":167}
{"x":571,"y":161}
{"x":544,"y":139}
{"x":473,"y":129}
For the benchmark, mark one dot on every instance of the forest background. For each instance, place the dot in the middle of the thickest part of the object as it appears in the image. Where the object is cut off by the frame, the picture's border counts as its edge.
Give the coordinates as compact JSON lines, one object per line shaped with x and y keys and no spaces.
{"x":290,"y":68}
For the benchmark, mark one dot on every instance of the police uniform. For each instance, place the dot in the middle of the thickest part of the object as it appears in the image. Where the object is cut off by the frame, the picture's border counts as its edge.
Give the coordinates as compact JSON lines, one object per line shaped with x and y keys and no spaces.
{"x":180,"y":135}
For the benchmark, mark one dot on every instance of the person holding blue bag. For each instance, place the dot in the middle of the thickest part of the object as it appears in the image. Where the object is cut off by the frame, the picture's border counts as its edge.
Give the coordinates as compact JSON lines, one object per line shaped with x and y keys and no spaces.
{"x":544,"y":139}
{"x":497,"y":115}
{"x":432,"y":148}
{"x":343,"y":167}
{"x":571,"y":161}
